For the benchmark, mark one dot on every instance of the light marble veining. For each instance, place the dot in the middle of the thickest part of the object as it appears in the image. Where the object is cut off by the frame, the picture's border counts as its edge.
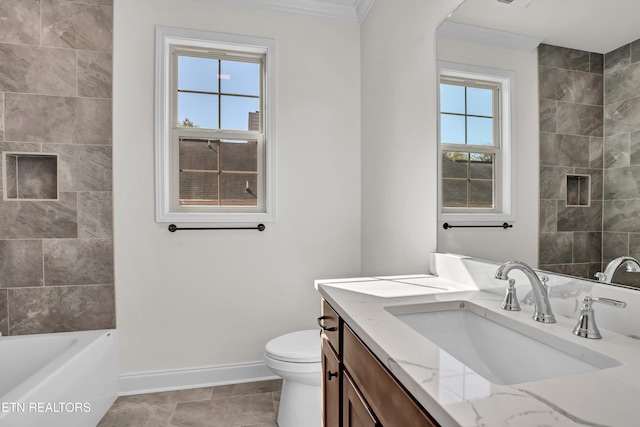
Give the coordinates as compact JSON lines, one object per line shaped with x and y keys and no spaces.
{"x":95,"y":217}
{"x":20,"y":21}
{"x":60,"y":309}
{"x":77,"y":25}
{"x":21,"y":263}
{"x":95,"y":74}
{"x":40,"y":220}
{"x":41,"y":70}
{"x":39,"y":118}
{"x":78,"y":262}
{"x":457,"y":396}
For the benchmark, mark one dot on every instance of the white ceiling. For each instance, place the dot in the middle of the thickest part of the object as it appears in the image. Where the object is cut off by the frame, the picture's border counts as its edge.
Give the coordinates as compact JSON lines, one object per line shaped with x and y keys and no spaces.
{"x":592,"y":25}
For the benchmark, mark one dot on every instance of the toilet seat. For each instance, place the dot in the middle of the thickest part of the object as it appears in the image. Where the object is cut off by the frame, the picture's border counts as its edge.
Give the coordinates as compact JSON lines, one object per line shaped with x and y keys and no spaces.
{"x":282,"y":368}
{"x":295,"y":347}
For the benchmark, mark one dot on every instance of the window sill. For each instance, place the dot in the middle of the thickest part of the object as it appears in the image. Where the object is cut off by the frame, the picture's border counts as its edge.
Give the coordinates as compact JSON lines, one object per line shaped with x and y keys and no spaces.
{"x":209,"y":217}
{"x":475,"y":218}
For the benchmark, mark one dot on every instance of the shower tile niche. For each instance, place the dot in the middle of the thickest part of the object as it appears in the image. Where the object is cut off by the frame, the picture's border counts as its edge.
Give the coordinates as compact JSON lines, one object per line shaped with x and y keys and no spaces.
{"x":30,"y":176}
{"x":578,"y":190}
{"x":56,"y":220}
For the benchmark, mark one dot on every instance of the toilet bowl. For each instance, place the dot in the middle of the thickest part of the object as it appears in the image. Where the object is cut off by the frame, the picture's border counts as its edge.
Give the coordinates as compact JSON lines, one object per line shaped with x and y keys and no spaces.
{"x":296,"y":358}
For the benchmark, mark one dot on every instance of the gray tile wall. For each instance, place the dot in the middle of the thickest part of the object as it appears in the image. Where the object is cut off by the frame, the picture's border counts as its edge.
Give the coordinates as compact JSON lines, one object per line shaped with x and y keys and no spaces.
{"x":56,"y":257}
{"x":571,"y":142}
{"x":621,"y":222}
{"x":589,"y":124}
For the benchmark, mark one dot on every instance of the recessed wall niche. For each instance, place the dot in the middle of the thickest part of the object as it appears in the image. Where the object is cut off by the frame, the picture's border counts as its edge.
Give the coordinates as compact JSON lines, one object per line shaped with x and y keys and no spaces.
{"x":30,"y":176}
{"x":578,"y":190}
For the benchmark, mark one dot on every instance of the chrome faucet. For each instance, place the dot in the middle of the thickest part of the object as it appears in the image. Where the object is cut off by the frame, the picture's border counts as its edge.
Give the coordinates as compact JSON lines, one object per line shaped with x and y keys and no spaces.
{"x":586,"y":326}
{"x":632,"y":265}
{"x":543,"y":311}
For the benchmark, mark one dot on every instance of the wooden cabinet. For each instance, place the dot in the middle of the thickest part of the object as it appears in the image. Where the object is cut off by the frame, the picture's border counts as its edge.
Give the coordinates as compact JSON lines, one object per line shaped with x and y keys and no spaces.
{"x":330,"y":385}
{"x":358,"y":390}
{"x":331,"y":367}
{"x":391,"y":404}
{"x":356,"y":412}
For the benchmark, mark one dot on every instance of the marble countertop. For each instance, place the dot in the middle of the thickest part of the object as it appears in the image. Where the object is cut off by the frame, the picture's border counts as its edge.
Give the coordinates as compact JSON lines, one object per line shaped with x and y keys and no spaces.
{"x":457,"y":396}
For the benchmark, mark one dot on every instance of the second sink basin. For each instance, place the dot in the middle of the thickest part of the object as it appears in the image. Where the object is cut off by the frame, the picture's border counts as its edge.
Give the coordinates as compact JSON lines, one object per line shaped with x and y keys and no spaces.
{"x":500,"y":349}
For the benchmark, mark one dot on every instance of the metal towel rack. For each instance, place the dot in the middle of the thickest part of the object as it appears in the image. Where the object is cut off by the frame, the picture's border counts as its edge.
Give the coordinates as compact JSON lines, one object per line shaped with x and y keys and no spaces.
{"x":446,"y":226}
{"x":173,"y":228}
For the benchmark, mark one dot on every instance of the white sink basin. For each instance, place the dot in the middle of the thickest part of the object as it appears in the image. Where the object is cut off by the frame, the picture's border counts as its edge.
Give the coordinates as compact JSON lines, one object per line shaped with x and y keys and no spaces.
{"x":500,"y":349}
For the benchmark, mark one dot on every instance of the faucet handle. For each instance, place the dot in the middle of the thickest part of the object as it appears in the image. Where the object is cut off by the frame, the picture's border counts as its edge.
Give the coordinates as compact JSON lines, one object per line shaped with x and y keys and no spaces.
{"x":510,"y":301}
{"x":608,"y":301}
{"x":545,"y":286}
{"x":600,"y":276}
{"x":586,"y":326}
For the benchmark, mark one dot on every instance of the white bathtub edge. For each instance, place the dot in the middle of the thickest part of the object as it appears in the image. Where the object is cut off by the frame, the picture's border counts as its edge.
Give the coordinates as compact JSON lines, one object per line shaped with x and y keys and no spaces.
{"x":207,"y":376}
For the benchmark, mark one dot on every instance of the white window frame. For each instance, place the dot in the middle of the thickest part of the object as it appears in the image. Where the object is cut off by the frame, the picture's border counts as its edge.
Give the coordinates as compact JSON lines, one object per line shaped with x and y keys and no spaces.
{"x":167,"y":208}
{"x":504,"y":177}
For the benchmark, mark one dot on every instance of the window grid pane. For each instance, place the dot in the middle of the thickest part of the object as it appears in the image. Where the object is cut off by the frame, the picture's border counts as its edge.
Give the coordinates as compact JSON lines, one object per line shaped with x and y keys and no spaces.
{"x":218,"y":94}
{"x":467,"y":115}
{"x":468,"y":119}
{"x":203,"y":183}
{"x":468,"y":179}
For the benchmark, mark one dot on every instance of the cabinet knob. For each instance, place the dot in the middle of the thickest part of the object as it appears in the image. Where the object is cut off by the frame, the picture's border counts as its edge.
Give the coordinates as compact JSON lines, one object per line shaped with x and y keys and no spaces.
{"x":326,"y":328}
{"x":331,"y":375}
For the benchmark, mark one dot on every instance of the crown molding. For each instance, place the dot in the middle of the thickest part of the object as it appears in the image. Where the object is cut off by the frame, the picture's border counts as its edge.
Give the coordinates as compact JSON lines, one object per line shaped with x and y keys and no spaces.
{"x":362,"y":8}
{"x":322,"y":9}
{"x":469,"y":33}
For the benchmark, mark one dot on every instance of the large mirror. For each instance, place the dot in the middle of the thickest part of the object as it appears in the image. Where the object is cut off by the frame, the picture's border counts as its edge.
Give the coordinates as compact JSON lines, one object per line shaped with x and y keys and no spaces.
{"x":587,"y":55}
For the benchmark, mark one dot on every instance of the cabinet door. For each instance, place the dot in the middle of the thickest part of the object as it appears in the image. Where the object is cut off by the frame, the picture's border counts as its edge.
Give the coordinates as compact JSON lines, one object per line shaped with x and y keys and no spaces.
{"x":330,"y":385}
{"x":390,"y":402}
{"x":355,"y":412}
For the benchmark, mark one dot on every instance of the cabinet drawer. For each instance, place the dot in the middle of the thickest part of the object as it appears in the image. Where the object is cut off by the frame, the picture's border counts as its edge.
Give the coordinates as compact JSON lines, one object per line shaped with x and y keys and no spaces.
{"x":330,"y":324}
{"x":391,"y":404}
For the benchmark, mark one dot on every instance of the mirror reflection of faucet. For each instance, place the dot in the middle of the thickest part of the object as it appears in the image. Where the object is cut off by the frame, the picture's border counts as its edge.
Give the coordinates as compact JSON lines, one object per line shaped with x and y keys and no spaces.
{"x":543,"y":312}
{"x":632,"y":265}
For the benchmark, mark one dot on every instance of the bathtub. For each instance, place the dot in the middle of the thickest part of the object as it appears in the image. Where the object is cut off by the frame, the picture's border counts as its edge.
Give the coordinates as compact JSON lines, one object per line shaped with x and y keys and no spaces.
{"x":64,"y":379}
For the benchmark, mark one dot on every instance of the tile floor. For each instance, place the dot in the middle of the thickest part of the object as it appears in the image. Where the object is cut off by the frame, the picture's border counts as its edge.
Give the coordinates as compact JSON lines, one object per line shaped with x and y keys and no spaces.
{"x":237,"y":405}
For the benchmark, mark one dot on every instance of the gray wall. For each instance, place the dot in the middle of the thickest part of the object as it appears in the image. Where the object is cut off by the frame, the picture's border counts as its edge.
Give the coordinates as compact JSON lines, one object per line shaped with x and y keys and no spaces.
{"x":621,"y":219}
{"x":589,"y":123}
{"x":571,"y":142}
{"x":56,"y":257}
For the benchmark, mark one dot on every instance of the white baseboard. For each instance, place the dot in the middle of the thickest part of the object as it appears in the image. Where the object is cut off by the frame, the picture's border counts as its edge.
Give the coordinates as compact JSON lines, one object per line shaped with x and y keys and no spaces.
{"x":157,"y":381}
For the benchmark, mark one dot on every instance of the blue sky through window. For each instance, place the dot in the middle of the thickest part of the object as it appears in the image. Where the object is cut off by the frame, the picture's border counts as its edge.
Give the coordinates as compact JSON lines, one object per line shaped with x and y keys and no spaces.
{"x":458,"y":105}
{"x":211,"y":77}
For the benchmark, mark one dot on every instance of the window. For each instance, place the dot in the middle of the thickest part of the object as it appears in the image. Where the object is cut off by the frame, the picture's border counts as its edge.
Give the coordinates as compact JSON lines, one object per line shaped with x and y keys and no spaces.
{"x":214,"y":127}
{"x":475,"y":139}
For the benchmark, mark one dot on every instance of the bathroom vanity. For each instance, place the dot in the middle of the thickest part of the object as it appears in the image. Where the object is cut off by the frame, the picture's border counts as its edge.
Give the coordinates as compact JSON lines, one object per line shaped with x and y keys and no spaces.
{"x":477,"y":365}
{"x":357,"y":388}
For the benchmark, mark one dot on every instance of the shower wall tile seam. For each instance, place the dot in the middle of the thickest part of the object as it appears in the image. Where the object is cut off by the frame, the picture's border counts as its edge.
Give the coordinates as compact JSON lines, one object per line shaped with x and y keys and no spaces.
{"x":62,"y":286}
{"x":57,"y":96}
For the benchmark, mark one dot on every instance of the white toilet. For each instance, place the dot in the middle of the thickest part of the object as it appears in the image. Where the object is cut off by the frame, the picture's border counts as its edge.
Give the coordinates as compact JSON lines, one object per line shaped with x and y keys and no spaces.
{"x":296,"y":358}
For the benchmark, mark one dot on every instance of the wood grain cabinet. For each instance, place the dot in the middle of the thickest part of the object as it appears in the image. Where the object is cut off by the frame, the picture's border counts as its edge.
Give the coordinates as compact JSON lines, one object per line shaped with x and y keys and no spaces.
{"x":357,"y":390}
{"x":355,"y":409}
{"x":330,"y":385}
{"x":331,"y":367}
